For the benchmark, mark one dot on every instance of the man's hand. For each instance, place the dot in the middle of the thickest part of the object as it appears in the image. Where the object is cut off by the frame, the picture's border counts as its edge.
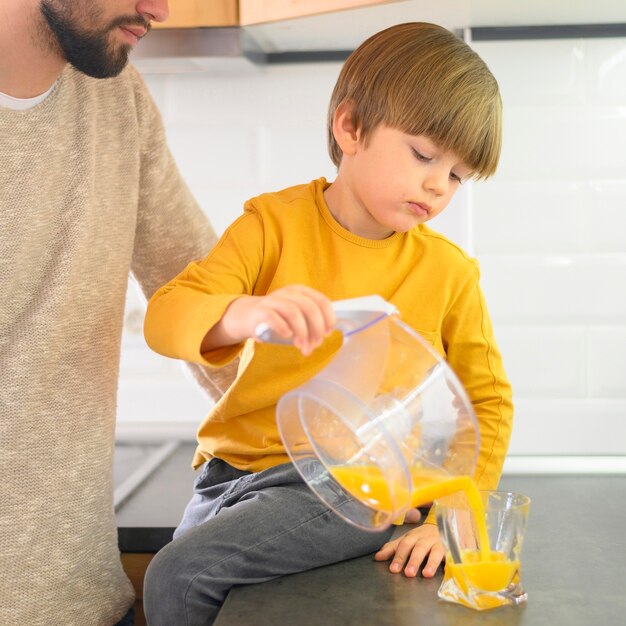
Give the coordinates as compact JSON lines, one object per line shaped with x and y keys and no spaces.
{"x":422,"y":544}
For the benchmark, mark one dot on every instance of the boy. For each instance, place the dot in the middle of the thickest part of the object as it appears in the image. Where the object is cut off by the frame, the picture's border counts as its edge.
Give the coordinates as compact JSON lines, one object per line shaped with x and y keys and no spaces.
{"x":414,"y":113}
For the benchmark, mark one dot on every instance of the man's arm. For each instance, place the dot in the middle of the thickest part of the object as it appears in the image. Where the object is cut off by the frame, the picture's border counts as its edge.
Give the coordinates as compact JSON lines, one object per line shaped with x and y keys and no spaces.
{"x":171,"y":229}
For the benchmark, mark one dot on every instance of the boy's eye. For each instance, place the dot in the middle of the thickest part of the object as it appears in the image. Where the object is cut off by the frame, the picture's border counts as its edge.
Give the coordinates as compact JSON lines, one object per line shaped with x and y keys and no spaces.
{"x":420,"y":157}
{"x":456,"y":177}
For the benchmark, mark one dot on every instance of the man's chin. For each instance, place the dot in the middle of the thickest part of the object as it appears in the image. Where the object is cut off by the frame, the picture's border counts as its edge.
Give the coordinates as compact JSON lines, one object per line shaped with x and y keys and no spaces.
{"x":99,"y":68}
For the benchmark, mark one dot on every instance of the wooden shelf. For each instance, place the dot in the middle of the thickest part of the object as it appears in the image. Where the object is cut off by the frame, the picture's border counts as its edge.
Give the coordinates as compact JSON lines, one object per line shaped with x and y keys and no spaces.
{"x":201,"y":13}
{"x":263,"y":11}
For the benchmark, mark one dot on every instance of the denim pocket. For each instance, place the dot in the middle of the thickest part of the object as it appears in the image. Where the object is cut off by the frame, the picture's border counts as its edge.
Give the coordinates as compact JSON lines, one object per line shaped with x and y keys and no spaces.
{"x":206,"y":478}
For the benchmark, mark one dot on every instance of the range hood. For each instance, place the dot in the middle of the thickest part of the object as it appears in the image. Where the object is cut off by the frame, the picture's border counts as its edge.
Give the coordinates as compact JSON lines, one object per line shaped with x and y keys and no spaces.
{"x":184,"y":48}
{"x":191,"y":42}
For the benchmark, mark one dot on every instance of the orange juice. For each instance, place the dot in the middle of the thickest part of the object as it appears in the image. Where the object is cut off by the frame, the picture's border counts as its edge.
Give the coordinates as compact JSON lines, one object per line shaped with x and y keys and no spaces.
{"x":491,"y":574}
{"x":367,"y":484}
{"x":477,"y":581}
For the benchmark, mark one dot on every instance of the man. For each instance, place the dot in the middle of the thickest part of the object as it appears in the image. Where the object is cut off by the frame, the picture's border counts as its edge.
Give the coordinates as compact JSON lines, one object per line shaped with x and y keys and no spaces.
{"x":88,"y":192}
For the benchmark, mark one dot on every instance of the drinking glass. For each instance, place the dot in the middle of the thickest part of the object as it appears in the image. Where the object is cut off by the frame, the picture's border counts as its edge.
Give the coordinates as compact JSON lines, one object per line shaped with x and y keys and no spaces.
{"x":483,"y":577}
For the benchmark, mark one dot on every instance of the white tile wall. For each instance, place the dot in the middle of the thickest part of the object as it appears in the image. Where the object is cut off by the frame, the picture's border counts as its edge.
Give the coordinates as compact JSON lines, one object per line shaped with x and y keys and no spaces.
{"x":549,"y":229}
{"x":550,"y":233}
{"x":535,"y":288}
{"x":545,"y":361}
{"x":568,"y":426}
{"x":510,"y":217}
{"x":605,"y":367}
{"x":604,"y":216}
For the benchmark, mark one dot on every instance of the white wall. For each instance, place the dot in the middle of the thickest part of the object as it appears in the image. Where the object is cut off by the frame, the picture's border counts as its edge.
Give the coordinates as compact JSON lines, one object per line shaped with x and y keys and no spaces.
{"x":549,"y":229}
{"x":550,"y":233}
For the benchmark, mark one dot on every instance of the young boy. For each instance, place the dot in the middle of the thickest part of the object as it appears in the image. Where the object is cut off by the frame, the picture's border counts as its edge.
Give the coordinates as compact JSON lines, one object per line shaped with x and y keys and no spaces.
{"x":415,"y":112}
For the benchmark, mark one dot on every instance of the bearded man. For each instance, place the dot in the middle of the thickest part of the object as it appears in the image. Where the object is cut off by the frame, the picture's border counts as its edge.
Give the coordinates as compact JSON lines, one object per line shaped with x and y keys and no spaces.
{"x":88,"y":193}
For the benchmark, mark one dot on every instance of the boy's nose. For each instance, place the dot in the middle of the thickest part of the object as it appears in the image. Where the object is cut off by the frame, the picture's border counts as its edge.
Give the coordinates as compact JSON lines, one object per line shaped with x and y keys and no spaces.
{"x":436,"y":182}
{"x":153,"y":10}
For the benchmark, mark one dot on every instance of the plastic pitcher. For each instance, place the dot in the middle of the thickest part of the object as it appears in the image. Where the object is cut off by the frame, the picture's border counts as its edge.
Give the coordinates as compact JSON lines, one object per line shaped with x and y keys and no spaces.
{"x":384,"y":426}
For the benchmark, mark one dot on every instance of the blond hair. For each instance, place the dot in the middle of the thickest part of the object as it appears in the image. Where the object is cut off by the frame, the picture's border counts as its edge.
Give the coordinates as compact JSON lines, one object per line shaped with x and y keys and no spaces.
{"x":423,"y":80}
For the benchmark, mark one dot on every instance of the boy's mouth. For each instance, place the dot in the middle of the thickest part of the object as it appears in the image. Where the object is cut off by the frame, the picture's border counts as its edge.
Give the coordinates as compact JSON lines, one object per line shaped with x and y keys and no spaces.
{"x":420,"y":208}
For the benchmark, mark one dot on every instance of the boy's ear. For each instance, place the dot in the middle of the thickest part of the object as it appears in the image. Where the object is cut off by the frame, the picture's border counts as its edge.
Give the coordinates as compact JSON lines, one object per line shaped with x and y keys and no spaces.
{"x":346,"y":135}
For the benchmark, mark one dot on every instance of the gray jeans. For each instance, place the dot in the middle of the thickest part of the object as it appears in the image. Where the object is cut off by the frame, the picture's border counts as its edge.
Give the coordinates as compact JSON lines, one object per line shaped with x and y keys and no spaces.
{"x":241,"y":528}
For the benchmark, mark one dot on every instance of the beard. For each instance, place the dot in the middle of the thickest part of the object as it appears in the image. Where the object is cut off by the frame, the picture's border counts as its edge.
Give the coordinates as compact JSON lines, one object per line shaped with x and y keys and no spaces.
{"x":89,"y":51}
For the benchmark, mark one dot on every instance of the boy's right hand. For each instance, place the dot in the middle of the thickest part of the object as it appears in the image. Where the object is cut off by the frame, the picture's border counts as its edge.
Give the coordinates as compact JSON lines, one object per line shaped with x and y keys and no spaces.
{"x":299,"y":313}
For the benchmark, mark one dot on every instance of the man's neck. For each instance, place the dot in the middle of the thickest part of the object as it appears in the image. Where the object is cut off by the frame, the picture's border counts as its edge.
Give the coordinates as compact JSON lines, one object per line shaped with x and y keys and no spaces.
{"x":29,"y":61}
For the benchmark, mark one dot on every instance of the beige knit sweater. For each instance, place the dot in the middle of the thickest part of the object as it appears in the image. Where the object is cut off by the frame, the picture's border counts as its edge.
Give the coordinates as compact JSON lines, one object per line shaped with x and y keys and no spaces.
{"x":88,"y":191}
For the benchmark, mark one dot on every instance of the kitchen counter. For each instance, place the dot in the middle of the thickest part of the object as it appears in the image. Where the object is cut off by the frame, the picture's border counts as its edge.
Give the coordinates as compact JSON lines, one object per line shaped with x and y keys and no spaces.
{"x":573,"y":562}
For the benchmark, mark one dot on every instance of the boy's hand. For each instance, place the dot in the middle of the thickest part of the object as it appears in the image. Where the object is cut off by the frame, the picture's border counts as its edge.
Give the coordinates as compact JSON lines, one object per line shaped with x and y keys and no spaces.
{"x":413,"y":548}
{"x":297,"y":312}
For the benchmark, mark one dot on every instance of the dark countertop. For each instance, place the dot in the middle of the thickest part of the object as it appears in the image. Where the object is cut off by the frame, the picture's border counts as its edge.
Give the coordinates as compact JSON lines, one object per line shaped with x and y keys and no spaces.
{"x":573,"y":562}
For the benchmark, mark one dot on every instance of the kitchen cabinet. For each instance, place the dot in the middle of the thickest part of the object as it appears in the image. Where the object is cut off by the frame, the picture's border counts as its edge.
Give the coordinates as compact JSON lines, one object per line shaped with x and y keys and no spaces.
{"x":264,"y":30}
{"x":200,"y":13}
{"x":343,"y":27}
{"x":350,"y":13}
{"x":212,"y":13}
{"x":135,"y":565}
{"x":260,"y":11}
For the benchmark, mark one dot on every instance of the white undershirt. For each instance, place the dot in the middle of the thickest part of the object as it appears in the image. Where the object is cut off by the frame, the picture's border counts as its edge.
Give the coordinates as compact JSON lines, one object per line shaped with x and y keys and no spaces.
{"x":23,"y":104}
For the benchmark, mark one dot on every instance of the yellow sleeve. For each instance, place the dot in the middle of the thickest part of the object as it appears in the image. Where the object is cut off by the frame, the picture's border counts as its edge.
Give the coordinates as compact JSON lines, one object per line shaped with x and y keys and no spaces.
{"x":181,"y":312}
{"x":473,"y":354}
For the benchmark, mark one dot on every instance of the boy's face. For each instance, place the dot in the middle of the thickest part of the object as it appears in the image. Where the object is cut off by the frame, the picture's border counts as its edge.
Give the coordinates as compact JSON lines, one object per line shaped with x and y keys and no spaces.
{"x":399,"y":181}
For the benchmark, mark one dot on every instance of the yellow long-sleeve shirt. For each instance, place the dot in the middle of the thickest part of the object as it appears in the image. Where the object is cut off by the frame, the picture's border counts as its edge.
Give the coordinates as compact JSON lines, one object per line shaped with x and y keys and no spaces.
{"x":291,"y":237}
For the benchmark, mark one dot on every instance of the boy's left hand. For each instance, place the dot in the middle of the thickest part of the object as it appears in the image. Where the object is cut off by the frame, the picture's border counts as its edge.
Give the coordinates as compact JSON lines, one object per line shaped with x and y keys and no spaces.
{"x":413,"y":548}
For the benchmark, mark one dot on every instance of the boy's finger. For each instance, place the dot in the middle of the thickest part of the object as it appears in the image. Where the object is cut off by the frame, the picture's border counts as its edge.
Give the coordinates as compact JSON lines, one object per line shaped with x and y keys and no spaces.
{"x":403,"y":551}
{"x":434,"y":561}
{"x":386,"y":551}
{"x":315,"y":322}
{"x":324,"y":305}
{"x":293,"y":317}
{"x":276,"y":322}
{"x":415,"y":560}
{"x":303,"y":315}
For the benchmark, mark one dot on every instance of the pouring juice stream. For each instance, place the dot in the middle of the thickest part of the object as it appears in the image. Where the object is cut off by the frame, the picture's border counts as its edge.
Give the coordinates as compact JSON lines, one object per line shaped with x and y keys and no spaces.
{"x":483,"y":568}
